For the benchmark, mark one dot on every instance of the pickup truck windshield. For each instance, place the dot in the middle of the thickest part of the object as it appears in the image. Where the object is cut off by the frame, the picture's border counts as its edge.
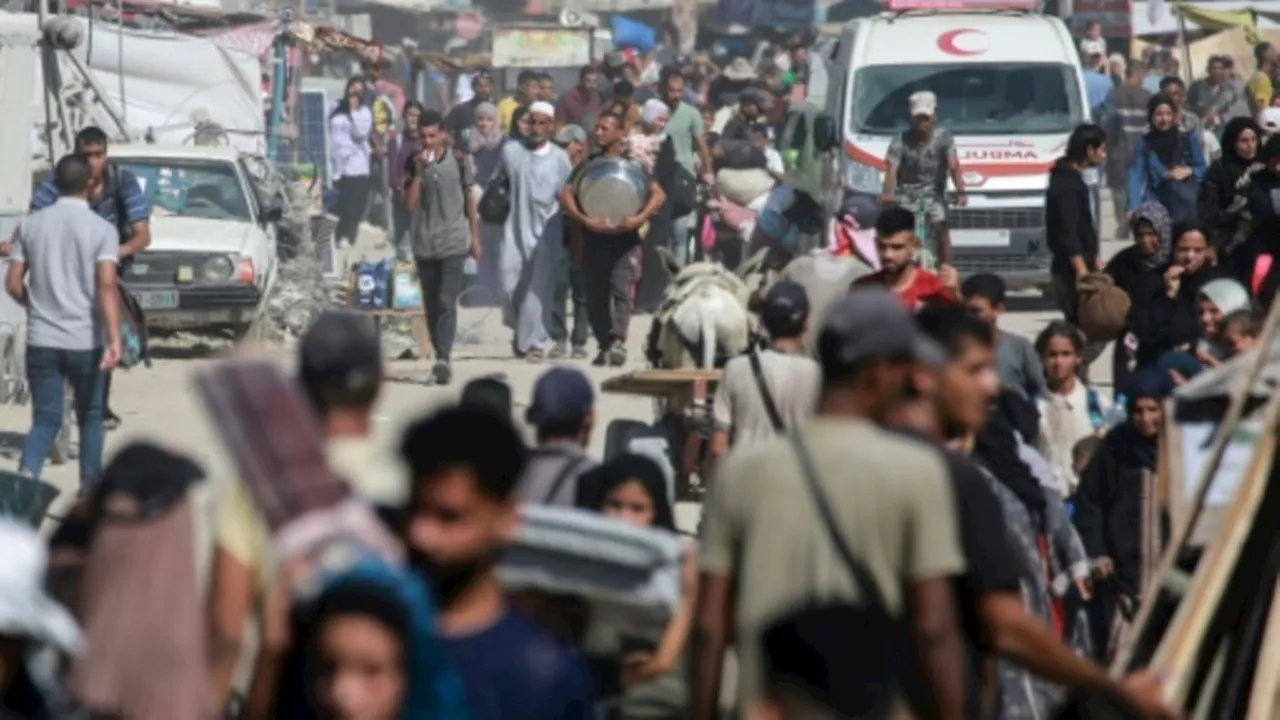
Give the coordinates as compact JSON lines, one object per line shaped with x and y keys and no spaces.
{"x":973,"y":98}
{"x":186,"y":187}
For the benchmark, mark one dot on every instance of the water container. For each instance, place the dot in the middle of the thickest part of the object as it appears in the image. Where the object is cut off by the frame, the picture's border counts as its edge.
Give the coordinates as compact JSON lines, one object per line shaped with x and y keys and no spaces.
{"x":367,"y":286}
{"x":406,"y":293}
{"x":382,"y":284}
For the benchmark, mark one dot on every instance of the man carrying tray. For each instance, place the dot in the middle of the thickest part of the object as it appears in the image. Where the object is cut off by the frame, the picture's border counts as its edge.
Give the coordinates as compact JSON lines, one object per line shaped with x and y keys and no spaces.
{"x":609,"y":265}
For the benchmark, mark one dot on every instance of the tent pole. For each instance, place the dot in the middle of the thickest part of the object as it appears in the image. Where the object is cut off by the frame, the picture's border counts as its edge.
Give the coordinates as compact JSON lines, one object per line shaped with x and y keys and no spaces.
{"x":124,"y":105}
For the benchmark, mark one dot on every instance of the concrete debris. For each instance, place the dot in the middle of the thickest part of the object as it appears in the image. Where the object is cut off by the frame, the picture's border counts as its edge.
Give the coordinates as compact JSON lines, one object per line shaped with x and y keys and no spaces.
{"x":301,"y":291}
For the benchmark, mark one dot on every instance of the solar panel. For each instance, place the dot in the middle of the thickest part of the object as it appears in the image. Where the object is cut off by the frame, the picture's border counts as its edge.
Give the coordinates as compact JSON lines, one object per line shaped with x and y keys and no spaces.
{"x":312,"y":145}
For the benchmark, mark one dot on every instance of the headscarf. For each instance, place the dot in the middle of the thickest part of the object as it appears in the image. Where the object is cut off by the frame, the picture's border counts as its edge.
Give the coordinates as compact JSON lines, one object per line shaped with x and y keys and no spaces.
{"x":1230,"y":133}
{"x":1164,"y":143}
{"x":634,"y":466}
{"x":516,"y":116}
{"x":1227,"y":294}
{"x":1154,"y":213}
{"x":139,"y":598}
{"x":654,"y":109}
{"x":399,"y":599}
{"x":1152,"y":383}
{"x":480,"y":141}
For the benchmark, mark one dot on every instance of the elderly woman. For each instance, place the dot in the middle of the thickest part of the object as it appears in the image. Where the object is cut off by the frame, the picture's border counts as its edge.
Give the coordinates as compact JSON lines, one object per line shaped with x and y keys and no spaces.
{"x":486,"y":140}
{"x":645,"y":141}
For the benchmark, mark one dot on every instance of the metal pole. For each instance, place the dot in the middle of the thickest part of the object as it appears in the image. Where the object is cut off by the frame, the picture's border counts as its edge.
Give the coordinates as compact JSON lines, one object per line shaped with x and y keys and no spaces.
{"x":124,"y":105}
{"x":48,"y":60}
{"x":277,"y":84}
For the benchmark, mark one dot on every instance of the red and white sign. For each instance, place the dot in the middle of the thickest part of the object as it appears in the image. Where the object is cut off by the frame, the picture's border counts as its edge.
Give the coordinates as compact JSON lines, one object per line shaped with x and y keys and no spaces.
{"x":964,"y":42}
{"x":468,"y":25}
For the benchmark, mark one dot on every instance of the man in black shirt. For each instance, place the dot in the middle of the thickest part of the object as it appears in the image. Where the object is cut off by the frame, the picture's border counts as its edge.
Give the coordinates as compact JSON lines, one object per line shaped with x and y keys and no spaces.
{"x":609,"y":261}
{"x":952,"y":405}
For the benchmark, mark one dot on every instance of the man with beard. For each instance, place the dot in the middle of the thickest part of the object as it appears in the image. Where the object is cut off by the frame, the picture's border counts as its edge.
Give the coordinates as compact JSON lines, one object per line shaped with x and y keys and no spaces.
{"x":689,"y":140}
{"x":580,"y":103}
{"x":609,"y":260}
{"x":461,"y":510}
{"x":897,"y":247}
{"x":533,"y":236}
{"x":950,"y":408}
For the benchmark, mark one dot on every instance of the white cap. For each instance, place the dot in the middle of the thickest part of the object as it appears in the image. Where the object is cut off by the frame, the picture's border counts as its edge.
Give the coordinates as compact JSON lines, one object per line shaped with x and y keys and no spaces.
{"x":1090,"y":47}
{"x":1269,"y":120}
{"x":542,"y":107}
{"x":923,"y":103}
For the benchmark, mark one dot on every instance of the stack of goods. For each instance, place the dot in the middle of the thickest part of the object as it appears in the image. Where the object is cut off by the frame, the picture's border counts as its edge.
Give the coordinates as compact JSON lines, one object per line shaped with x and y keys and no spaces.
{"x":386,"y":285}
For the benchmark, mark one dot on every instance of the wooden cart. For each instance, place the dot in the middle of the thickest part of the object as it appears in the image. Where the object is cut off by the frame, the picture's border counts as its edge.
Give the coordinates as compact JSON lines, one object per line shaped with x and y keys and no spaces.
{"x":682,"y":405}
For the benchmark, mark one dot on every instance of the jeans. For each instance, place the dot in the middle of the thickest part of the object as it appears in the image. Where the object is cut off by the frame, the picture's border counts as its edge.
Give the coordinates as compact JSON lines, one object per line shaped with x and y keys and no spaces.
{"x":608,"y":272}
{"x":441,"y":280}
{"x":569,"y":287}
{"x":401,"y":219}
{"x":49,"y":371}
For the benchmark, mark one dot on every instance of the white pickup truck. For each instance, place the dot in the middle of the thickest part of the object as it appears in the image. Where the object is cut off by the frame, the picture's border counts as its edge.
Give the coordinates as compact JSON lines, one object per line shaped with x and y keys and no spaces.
{"x":213,"y":254}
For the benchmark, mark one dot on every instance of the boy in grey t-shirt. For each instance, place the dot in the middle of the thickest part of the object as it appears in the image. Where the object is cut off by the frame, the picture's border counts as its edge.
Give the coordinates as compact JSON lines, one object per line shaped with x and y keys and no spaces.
{"x":67,"y":255}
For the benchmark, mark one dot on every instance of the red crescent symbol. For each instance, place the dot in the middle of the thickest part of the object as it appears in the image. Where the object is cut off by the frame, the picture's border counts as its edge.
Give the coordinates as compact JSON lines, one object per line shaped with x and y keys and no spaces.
{"x":947,"y":42}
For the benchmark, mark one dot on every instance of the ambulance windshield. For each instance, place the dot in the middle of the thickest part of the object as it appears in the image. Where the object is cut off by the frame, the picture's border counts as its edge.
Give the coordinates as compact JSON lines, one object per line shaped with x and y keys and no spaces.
{"x":973,"y":98}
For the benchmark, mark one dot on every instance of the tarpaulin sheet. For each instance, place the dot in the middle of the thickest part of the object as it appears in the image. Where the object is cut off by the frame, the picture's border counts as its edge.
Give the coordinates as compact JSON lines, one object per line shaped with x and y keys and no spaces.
{"x":170,"y":78}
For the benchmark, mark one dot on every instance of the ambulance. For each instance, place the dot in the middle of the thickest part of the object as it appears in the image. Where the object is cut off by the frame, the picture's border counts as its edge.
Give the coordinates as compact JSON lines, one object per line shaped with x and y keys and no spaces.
{"x":1010,"y":90}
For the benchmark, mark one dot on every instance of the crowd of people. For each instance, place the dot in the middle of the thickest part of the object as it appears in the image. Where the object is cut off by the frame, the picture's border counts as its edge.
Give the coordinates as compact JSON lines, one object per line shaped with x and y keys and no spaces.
{"x":680,"y":123}
{"x":911,"y":512}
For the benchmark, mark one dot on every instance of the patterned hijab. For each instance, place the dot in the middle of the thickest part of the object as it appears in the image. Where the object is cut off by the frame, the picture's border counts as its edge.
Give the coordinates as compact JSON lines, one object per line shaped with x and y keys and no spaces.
{"x":491,"y":140}
{"x":1153,"y":213}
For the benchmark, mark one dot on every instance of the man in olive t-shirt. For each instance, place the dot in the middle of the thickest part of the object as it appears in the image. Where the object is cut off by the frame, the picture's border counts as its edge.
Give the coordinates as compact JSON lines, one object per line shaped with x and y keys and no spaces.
{"x":890,"y":496}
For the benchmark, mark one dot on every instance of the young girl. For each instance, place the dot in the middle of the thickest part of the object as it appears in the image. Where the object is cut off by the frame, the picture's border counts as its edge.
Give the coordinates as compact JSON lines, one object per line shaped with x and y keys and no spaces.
{"x":1071,"y":410}
{"x":633,"y":489}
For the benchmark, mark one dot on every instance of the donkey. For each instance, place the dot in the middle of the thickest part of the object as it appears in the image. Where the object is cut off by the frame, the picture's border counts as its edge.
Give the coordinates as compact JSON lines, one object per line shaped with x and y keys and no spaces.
{"x":704,"y":317}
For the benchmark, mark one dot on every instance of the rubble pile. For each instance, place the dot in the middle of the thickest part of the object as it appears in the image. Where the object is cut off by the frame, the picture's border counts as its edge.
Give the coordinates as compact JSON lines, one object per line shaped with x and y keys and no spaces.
{"x":301,"y":291}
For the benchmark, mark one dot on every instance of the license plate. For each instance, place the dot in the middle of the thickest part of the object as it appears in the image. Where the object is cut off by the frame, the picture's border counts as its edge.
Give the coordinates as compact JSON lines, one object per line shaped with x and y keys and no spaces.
{"x":980,"y":238}
{"x":158,"y":299}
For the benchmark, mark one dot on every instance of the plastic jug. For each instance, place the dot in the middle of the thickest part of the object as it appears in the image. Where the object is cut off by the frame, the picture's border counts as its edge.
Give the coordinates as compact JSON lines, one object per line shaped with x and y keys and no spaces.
{"x":382,"y":284}
{"x":406,"y":293}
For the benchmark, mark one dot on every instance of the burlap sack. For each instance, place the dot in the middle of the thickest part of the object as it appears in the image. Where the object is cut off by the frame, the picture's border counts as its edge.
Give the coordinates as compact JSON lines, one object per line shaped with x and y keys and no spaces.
{"x":1103,"y":307}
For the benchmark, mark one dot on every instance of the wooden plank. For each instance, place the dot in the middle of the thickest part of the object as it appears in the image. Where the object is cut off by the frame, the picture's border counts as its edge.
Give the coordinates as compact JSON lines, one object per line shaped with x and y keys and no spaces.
{"x":661,"y":383}
{"x":1175,"y":658}
{"x":1263,"y":697}
{"x":1185,"y":525}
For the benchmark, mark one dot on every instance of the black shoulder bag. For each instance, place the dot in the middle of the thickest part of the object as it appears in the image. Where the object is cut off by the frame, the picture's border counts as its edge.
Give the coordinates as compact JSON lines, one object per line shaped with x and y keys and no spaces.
{"x":882,"y":638}
{"x":770,"y":406}
{"x":495,"y":203}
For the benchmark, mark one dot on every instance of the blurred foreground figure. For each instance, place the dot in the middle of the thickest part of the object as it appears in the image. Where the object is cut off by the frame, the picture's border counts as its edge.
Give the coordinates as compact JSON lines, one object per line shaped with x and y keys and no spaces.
{"x":137,"y":594}
{"x":30,"y":621}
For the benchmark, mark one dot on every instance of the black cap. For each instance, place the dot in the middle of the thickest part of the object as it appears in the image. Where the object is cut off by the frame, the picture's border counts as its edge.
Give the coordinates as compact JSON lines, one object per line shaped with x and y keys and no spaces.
{"x":341,"y":352}
{"x":785,"y":309}
{"x":870,"y":323}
